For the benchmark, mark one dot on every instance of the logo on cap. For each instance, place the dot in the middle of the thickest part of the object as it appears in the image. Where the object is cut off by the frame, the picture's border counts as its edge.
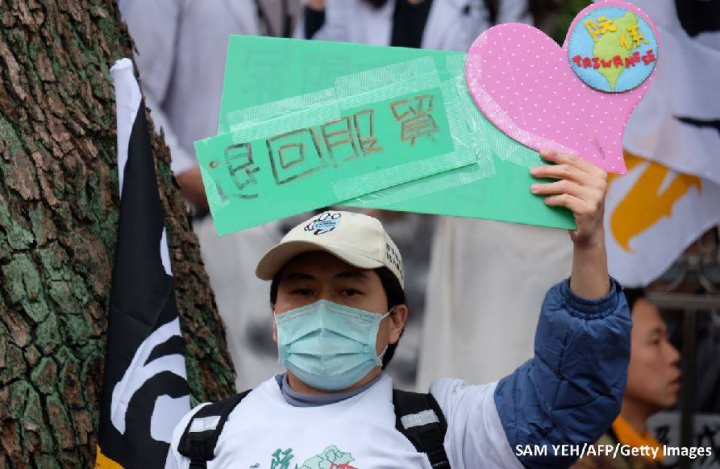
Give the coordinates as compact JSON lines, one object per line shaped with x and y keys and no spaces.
{"x":325,"y":223}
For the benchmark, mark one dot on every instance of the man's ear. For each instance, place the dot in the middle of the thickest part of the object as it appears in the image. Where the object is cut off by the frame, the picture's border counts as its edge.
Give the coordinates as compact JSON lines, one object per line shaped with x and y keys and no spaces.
{"x":398,"y":318}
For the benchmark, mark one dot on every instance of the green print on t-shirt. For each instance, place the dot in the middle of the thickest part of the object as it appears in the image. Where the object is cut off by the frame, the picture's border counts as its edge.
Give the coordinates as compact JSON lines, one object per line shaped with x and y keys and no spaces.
{"x":330,"y":458}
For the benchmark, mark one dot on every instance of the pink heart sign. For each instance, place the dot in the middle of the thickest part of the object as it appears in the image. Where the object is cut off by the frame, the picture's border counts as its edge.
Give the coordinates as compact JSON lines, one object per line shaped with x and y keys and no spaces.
{"x":575,"y":99}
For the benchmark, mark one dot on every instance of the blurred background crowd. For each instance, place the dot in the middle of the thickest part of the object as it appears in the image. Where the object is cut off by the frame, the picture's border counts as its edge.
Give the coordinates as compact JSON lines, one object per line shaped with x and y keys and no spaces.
{"x":476,"y":286}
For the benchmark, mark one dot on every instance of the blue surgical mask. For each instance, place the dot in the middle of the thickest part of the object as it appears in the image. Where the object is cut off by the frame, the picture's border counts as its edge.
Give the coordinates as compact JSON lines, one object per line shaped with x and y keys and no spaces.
{"x":328,"y":346}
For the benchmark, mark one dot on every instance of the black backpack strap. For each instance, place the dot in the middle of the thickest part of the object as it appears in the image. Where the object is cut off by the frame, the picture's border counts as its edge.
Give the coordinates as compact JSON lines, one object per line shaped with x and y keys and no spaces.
{"x":419,"y":418}
{"x":201,"y":435}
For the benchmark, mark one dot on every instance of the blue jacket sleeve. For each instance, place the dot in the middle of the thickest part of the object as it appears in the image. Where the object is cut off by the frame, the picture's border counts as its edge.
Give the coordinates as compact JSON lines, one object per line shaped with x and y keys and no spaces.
{"x":571,"y":392}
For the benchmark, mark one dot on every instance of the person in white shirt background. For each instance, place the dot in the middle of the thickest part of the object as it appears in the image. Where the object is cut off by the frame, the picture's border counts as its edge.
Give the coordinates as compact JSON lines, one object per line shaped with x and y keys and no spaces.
{"x":181,"y":52}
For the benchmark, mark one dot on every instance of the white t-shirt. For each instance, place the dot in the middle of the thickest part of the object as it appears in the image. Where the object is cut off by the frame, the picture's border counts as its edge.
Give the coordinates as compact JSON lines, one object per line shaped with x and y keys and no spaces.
{"x":265,"y":432}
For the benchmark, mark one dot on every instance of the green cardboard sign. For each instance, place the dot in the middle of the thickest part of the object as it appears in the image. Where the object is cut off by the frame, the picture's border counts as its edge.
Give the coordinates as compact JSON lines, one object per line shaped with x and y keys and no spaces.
{"x":279,"y":88}
{"x":359,"y":137}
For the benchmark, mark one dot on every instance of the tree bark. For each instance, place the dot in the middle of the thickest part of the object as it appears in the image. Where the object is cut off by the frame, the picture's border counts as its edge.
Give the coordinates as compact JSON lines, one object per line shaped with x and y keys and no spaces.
{"x":59,"y":204}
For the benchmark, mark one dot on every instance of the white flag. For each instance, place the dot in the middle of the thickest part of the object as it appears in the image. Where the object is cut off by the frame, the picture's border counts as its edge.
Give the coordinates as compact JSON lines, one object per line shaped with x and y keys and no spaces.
{"x":652,"y":214}
{"x":678,"y":122}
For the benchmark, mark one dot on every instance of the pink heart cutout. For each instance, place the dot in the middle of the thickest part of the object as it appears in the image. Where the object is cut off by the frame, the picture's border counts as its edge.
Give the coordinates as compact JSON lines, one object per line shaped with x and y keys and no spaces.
{"x":522,"y":81}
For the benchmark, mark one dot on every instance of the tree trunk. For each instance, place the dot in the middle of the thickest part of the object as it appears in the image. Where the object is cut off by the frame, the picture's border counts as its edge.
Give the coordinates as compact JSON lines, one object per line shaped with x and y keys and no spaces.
{"x":58,"y":220}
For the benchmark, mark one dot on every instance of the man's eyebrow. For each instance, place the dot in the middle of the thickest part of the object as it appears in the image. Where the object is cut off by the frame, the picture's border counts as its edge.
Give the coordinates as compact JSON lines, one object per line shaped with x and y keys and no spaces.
{"x":354,"y":275}
{"x":657,"y":330}
{"x":298,"y":276}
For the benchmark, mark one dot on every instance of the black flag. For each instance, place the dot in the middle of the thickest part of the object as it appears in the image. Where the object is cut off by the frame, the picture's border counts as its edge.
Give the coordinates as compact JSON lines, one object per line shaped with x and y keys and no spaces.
{"x":145,"y":391}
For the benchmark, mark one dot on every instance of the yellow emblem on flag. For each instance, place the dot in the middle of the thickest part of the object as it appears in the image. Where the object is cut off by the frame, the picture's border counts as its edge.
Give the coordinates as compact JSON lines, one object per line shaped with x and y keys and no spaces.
{"x":645,"y":204}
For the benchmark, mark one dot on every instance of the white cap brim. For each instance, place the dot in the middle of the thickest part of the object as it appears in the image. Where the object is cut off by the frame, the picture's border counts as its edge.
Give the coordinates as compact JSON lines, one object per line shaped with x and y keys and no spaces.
{"x":276,"y":258}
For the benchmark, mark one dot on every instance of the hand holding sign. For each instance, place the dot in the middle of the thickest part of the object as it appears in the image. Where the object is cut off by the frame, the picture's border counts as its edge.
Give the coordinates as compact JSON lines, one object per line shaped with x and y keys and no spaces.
{"x":580,"y":188}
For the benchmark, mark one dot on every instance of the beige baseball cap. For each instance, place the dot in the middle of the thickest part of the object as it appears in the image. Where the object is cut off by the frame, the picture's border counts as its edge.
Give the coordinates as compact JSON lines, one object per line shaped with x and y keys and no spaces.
{"x":357,"y":239}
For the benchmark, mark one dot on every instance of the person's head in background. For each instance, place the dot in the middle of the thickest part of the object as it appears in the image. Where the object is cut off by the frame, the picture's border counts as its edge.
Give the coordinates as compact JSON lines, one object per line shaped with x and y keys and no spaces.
{"x":653,"y":374}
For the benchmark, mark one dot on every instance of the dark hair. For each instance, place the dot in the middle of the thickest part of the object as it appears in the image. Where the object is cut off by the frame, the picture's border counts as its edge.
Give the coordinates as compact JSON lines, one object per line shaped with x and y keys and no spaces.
{"x":632,"y":295}
{"x":393,"y":291}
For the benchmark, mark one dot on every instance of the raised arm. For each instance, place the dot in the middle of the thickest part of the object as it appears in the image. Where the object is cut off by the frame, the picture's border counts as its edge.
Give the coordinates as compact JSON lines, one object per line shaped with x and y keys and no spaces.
{"x":570,"y":393}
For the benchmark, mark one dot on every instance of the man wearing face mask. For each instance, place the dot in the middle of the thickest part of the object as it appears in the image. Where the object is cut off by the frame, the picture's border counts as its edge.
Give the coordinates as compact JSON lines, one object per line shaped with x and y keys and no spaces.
{"x":338,"y":302}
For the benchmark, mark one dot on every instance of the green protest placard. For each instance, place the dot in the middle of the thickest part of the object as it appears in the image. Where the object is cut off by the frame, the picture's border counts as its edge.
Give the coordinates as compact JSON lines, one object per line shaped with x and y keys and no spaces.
{"x":274,"y":80}
{"x":361,"y":136}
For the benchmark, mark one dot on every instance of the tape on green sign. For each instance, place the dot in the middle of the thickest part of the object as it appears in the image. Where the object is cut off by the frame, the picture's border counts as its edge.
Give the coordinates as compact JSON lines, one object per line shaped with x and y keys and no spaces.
{"x":279,"y":86}
{"x":375,"y":130}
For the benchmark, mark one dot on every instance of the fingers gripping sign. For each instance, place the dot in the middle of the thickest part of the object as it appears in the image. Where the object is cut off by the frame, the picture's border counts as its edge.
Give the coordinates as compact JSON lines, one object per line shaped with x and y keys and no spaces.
{"x":578,"y":186}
